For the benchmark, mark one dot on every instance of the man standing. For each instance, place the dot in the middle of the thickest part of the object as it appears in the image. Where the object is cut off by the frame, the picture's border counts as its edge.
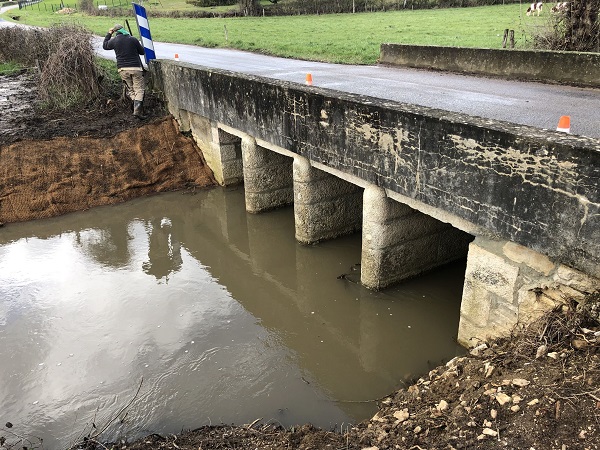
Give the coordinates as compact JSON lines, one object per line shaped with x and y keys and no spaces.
{"x":128,"y":50}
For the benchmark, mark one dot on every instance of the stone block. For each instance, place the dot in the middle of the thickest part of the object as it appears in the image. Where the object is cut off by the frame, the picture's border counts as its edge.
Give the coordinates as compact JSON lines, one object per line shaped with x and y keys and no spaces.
{"x":265,"y":201}
{"x":268,"y":179}
{"x":201,"y":129}
{"x":576,"y":279}
{"x":493,"y":272}
{"x":327,"y":219}
{"x":230,"y":152}
{"x":232,"y":172}
{"x":523,"y":255}
{"x":253,"y":155}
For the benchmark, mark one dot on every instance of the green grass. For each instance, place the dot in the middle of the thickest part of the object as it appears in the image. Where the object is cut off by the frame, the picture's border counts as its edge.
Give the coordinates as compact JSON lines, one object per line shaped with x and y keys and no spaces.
{"x":341,"y":38}
{"x":6,"y":68}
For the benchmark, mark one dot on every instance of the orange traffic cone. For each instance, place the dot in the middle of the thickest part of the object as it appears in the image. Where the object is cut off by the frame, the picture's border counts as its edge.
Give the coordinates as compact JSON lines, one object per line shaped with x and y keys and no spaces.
{"x":564,"y":124}
{"x":309,"y":79}
{"x":176,"y":56}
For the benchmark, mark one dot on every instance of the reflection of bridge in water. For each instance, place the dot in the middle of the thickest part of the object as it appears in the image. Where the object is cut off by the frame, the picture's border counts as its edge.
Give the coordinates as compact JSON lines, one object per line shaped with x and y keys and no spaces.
{"x":291,"y":289}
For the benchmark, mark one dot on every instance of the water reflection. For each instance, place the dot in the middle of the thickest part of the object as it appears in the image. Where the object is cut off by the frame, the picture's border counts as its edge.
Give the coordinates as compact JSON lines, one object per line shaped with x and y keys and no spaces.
{"x":164,"y":250}
{"x":225,"y":316}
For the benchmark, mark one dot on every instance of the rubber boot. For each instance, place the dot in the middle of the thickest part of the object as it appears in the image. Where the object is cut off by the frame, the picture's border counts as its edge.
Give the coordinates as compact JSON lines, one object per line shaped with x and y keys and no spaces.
{"x":137,"y":109}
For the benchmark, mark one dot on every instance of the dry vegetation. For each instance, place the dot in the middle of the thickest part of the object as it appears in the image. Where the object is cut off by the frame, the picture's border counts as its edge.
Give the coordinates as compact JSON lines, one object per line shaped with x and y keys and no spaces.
{"x":574,"y":28}
{"x":63,"y":56}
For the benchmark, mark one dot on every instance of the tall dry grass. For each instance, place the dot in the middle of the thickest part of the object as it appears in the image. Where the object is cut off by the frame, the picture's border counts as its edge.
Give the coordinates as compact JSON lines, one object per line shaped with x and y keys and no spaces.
{"x":64,"y":59}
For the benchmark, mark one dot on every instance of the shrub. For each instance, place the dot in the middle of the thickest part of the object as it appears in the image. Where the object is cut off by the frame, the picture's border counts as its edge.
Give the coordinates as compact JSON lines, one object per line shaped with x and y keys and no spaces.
{"x":65,"y":59}
{"x":575,"y":28}
{"x":341,"y":6}
{"x":209,"y":3}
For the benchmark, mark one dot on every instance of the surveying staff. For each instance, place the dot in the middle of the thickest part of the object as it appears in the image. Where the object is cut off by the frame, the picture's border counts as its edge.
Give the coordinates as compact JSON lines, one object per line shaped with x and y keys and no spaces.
{"x":128,"y":50}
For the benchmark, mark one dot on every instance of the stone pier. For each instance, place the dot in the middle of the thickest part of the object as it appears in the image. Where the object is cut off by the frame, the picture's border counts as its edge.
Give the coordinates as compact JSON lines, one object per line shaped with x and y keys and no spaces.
{"x":400,"y":242}
{"x":325,"y":206}
{"x":268,"y":181}
{"x":221,"y":150}
{"x":507,"y":284}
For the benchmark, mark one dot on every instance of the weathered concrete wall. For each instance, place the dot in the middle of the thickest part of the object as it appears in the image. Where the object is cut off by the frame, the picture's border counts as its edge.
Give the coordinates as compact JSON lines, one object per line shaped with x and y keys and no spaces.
{"x":576,"y":68}
{"x":268,"y":181}
{"x":507,"y":284}
{"x":533,"y":187}
{"x":399,"y":242}
{"x":325,"y":206}
{"x":222,"y":151}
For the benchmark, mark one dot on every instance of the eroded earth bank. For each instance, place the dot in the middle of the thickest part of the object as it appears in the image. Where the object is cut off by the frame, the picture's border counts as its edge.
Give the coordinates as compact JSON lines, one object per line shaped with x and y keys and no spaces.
{"x":538,"y":390}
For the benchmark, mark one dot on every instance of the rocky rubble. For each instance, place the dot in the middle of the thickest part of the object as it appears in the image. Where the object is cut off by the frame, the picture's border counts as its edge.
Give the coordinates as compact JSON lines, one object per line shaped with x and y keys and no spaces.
{"x":538,"y":390}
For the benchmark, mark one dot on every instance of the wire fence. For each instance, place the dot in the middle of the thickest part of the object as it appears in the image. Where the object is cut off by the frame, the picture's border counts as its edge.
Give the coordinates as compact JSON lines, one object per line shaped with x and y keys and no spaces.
{"x":100,"y":4}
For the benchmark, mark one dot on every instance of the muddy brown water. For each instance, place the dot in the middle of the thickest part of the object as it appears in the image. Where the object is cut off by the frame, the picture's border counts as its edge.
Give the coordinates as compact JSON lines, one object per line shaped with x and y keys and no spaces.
{"x":221,"y":313}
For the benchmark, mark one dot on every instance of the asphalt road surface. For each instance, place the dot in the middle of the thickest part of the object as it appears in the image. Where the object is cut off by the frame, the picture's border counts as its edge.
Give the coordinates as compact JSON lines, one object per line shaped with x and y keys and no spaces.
{"x":525,"y":103}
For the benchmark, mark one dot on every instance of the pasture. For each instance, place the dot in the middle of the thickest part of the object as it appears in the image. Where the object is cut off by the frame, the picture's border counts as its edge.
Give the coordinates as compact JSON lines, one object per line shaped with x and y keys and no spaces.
{"x":338,"y":38}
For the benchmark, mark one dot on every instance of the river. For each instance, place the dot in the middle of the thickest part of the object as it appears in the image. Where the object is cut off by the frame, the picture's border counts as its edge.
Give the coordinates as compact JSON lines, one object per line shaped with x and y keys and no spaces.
{"x":219,"y":315}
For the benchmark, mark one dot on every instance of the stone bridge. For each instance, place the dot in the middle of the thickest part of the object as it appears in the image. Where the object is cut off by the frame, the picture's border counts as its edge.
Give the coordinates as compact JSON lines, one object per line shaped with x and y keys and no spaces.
{"x":425,"y":186}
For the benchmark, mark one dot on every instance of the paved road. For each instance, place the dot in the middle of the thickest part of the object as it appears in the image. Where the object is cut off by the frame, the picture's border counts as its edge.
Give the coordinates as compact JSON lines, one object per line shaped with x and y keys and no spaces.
{"x":536,"y":104}
{"x":525,"y":103}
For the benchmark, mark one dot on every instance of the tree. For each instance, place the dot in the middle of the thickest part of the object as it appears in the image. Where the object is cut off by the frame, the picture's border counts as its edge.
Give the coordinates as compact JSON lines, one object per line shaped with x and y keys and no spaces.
{"x":572,"y":26}
{"x":249,"y":7}
{"x":581,"y":25}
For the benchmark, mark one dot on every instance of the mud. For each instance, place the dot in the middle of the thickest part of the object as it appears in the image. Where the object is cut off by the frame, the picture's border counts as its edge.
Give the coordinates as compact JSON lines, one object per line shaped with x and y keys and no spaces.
{"x":52,"y":163}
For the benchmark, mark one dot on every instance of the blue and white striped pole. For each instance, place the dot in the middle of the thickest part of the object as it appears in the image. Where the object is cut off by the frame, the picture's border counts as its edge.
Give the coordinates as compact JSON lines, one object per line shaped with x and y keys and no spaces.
{"x":142,"y":22}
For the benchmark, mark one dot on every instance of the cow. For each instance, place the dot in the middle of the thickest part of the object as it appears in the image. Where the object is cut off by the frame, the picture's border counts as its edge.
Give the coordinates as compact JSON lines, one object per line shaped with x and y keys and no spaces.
{"x":560,"y":7}
{"x":535,"y":8}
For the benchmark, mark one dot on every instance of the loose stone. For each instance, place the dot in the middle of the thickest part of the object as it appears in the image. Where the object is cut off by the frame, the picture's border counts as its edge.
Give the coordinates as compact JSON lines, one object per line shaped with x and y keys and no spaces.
{"x":442,"y":405}
{"x":502,"y":398}
{"x":401,"y":416}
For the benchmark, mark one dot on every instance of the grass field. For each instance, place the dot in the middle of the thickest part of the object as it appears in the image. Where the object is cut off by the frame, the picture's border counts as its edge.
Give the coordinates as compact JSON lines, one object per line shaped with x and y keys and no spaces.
{"x":340,"y":38}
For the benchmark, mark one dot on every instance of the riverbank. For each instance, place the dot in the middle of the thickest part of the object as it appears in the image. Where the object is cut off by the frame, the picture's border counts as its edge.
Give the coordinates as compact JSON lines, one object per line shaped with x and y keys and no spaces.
{"x":54,"y":163}
{"x":540,"y":389}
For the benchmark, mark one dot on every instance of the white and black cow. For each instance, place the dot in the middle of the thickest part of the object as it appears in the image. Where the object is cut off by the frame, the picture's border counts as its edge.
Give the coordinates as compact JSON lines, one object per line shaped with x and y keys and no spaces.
{"x":560,"y":7}
{"x":535,"y":8}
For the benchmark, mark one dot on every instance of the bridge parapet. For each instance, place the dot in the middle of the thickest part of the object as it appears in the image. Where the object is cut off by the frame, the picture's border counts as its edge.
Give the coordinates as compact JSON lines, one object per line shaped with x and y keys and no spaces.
{"x":564,"y":67}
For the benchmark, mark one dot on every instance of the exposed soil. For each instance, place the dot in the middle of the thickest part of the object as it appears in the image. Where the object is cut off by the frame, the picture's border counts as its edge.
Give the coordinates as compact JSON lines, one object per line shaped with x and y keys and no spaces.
{"x":52,"y":163}
{"x":538,"y":390}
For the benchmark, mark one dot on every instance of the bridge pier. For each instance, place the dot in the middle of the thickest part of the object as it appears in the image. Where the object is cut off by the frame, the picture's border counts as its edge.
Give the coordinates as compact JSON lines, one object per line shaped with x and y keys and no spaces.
{"x":325,"y":206}
{"x":400,"y":242}
{"x":268,"y":180}
{"x":508,"y":284}
{"x":226,"y":156}
{"x":221,"y":150}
